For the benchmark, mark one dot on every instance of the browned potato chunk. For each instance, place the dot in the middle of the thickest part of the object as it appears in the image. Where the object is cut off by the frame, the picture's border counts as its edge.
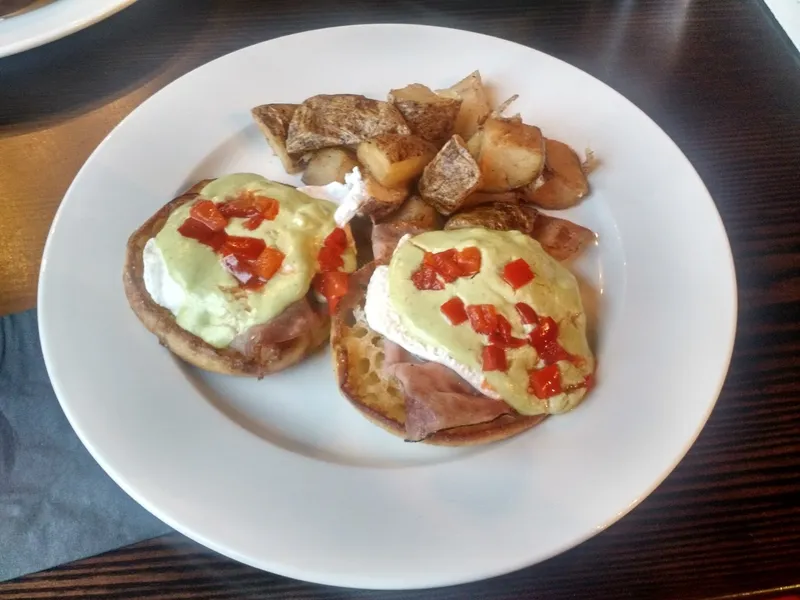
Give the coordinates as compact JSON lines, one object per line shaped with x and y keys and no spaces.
{"x":341,"y":120}
{"x":273,"y":120}
{"x":511,"y":154}
{"x":560,"y":238}
{"x":429,"y":115}
{"x":450,"y":177}
{"x":382,"y":200}
{"x":476,"y":198}
{"x":498,"y":216}
{"x":394,"y":159}
{"x":563,"y":181}
{"x":475,"y":106}
{"x":415,"y":211}
{"x":328,"y":165}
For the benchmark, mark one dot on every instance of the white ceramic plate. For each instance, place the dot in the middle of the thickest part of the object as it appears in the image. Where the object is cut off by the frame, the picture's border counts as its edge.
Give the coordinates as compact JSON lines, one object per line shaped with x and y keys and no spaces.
{"x":47,"y":21}
{"x":282,"y":474}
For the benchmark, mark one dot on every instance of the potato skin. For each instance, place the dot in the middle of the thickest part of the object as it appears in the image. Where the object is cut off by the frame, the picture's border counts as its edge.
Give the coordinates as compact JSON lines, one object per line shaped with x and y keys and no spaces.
{"x":273,"y":120}
{"x":429,"y":115}
{"x":499,"y":216}
{"x":563,"y":182}
{"x":341,"y":120}
{"x":511,"y":154}
{"x":393,"y":159}
{"x":475,"y":105}
{"x":415,"y":211}
{"x":382,"y":201}
{"x":328,"y":165}
{"x":450,"y":177}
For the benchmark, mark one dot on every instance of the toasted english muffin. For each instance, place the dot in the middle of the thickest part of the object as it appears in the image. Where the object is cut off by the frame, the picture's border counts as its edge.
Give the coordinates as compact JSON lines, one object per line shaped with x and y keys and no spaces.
{"x":358,"y":358}
{"x":269,"y":358}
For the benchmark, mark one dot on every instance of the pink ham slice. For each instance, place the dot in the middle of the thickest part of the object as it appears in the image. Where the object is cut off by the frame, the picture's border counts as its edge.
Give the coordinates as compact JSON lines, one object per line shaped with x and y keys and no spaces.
{"x":296,"y":319}
{"x":436,"y":397}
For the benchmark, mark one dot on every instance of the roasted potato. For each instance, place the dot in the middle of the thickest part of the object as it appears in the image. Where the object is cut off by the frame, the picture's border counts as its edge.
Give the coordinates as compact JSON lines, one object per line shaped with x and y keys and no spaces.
{"x":395,"y":159}
{"x":273,"y":120}
{"x":382,"y":201}
{"x":450,"y":177}
{"x":328,"y":165}
{"x":476,"y":198}
{"x":499,"y":216}
{"x":510,"y":155}
{"x":341,"y":120}
{"x":429,"y":115}
{"x":475,"y":106}
{"x":415,"y":211}
{"x":560,"y":238}
{"x":563,"y":182}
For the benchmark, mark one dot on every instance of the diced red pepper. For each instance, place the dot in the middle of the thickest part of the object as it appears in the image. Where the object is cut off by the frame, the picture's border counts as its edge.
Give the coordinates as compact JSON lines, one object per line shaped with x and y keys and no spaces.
{"x":444,"y":263}
{"x":333,"y":286}
{"x":425,"y":278}
{"x":589,"y":382}
{"x":329,"y":259}
{"x":517,"y":273}
{"x":207,"y":213}
{"x":253,"y":222}
{"x":551,"y":352}
{"x":268,"y":263}
{"x":336,"y":240}
{"x":453,"y":309}
{"x":502,"y":337}
{"x":545,"y":340}
{"x":469,"y":261}
{"x":244,"y":248}
{"x":494,"y":359}
{"x":249,"y":204}
{"x":526,"y":313}
{"x":545,"y":383}
{"x":240,"y":269}
{"x":482,"y":318}
{"x":195,"y":230}
{"x":269,"y":207}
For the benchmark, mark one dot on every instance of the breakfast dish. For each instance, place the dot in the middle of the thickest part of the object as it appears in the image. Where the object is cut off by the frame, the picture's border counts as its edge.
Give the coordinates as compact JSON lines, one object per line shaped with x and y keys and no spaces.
{"x":276,"y":472}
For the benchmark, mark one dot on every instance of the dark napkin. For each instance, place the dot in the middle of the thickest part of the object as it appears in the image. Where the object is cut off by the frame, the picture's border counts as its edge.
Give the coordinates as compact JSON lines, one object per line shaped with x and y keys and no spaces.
{"x":56,"y":503}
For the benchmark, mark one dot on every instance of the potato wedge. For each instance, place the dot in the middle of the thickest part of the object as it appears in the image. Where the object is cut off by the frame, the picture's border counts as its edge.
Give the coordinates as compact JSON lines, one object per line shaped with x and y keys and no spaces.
{"x":382,"y":201}
{"x":560,"y":238}
{"x":415,"y":212}
{"x":450,"y":177}
{"x":511,"y":154}
{"x":499,"y":216}
{"x":476,"y":198}
{"x":475,"y":106}
{"x":341,"y":120}
{"x":328,"y":165}
{"x":563,"y":182}
{"x":273,"y":120}
{"x":429,"y":115}
{"x":395,"y":159}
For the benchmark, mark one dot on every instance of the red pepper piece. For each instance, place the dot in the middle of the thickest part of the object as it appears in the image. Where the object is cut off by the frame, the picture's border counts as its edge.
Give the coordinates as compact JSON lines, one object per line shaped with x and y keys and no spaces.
{"x":453,"y":309}
{"x":329,"y":259}
{"x":244,"y":248}
{"x":545,"y":383}
{"x":207,"y":213}
{"x":493,"y":358}
{"x":336,"y":240}
{"x":249,"y":204}
{"x":240,"y":269}
{"x":425,"y":278}
{"x":333,"y":286}
{"x":469,"y":261}
{"x":517,"y":273}
{"x":253,"y":222}
{"x":268,"y":263}
{"x":482,"y":318}
{"x":195,"y":230}
{"x":526,"y":313}
{"x":444,"y":263}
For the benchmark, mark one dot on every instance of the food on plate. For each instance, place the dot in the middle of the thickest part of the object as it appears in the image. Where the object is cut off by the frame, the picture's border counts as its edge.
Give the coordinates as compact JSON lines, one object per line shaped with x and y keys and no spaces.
{"x":562,"y":183}
{"x":510,"y":154}
{"x":450,"y":177}
{"x":500,"y":216}
{"x":328,"y":165}
{"x":393,"y":159}
{"x":475,"y":106}
{"x":429,"y":115}
{"x":273,"y":120}
{"x":415,"y":211}
{"x":476,"y":198}
{"x":341,"y":120}
{"x":466,"y":336}
{"x":238,"y":275}
{"x":561,"y":239}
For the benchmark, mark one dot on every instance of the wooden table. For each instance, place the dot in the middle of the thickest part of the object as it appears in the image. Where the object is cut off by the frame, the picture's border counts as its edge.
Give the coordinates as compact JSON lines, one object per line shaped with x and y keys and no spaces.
{"x":720,"y":77}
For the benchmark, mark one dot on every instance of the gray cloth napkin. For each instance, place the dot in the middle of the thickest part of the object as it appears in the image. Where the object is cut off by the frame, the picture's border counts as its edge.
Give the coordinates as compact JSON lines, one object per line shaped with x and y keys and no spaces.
{"x":56,"y":503}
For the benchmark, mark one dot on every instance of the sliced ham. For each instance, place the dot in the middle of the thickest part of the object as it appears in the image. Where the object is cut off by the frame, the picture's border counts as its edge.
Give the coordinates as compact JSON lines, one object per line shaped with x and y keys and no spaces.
{"x":436,"y":397}
{"x":560,"y":238}
{"x":296,"y":319}
{"x":386,"y":235}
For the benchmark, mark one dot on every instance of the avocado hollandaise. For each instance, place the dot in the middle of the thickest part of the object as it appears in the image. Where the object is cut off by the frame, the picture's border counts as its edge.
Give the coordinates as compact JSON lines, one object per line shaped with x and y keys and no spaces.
{"x":243,"y":251}
{"x":492,"y":306}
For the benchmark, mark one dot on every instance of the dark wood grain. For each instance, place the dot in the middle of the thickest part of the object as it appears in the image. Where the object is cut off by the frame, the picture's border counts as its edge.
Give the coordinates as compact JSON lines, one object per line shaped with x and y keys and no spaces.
{"x":719,"y":76}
